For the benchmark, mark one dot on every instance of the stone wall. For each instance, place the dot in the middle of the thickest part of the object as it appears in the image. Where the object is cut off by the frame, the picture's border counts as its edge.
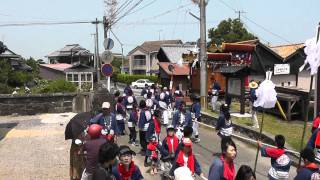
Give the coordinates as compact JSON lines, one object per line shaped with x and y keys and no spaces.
{"x":36,"y":103}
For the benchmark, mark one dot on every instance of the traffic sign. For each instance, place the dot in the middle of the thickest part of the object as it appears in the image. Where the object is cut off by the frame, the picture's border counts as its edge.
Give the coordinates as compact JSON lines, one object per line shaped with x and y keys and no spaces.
{"x":108,"y":43}
{"x":107,"y":70}
{"x":107,"y":57}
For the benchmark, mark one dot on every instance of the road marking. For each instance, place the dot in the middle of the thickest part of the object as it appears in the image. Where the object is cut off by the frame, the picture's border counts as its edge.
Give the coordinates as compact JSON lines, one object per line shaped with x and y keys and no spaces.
{"x":16,"y":133}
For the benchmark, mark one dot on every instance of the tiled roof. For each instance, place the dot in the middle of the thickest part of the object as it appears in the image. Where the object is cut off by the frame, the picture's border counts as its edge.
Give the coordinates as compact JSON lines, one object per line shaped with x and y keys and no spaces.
{"x":286,"y":50}
{"x":178,"y":70}
{"x":154,"y":46}
{"x":151,"y":46}
{"x":59,"y":66}
{"x":174,"y":51}
{"x":75,"y":49}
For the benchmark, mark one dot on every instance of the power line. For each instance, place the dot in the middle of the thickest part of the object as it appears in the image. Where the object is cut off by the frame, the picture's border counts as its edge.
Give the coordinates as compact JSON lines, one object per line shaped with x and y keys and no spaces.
{"x":262,"y":27}
{"x":265,"y":29}
{"x":47,"y":23}
{"x":127,"y":13}
{"x":150,"y":3}
{"x":163,"y":13}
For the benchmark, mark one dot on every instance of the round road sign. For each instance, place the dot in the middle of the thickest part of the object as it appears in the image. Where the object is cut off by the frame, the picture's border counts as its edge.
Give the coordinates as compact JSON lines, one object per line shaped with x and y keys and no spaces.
{"x":108,"y":44}
{"x":107,"y":57}
{"x":107,"y":69}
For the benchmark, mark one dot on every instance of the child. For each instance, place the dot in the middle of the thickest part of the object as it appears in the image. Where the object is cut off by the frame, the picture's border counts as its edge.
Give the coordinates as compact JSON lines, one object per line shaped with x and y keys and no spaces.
{"x":186,"y":158}
{"x":169,"y":144}
{"x":132,"y":122}
{"x":280,"y":162}
{"x":126,"y":169}
{"x":120,"y":115}
{"x":154,"y":128}
{"x":310,"y":170}
{"x":152,"y":153}
{"x":91,"y":147}
{"x":223,"y":167}
{"x":224,"y":125}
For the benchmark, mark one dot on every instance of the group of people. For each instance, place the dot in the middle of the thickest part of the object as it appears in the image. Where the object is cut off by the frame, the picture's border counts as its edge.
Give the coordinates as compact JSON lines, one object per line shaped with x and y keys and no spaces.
{"x":105,"y":159}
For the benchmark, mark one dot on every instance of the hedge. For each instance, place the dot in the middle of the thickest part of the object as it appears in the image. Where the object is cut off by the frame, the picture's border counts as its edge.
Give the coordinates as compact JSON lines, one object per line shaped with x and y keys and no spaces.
{"x":128,"y":79}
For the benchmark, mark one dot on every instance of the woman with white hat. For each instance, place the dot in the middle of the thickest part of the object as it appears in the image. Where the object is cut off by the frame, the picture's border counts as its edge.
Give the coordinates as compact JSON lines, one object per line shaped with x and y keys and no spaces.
{"x":253,"y":86}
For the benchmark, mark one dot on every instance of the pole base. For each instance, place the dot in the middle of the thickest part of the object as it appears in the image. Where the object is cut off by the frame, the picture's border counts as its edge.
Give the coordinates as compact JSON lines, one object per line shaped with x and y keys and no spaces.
{"x":204,"y":103}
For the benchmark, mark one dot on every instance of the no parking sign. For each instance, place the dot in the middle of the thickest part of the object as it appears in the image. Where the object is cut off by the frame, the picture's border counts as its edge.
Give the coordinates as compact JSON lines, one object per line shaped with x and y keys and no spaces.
{"x":107,"y":70}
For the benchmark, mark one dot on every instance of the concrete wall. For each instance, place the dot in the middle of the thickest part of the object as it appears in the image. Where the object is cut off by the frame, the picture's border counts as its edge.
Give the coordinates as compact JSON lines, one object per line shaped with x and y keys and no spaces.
{"x":154,"y":62}
{"x":51,"y":74}
{"x":45,"y":103}
{"x":131,"y":58}
{"x":278,"y":80}
{"x":151,"y":62}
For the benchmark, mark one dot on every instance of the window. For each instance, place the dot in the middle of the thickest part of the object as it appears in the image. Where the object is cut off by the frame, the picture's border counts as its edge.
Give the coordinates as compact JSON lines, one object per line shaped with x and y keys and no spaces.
{"x":75,"y":77}
{"x":83,"y":77}
{"x":69,"y":77}
{"x":139,"y":60}
{"x":89,"y":77}
{"x":81,"y":80}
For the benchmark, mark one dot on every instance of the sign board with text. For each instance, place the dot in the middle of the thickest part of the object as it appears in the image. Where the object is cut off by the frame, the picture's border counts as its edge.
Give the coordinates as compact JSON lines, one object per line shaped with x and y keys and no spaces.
{"x":281,"y":69}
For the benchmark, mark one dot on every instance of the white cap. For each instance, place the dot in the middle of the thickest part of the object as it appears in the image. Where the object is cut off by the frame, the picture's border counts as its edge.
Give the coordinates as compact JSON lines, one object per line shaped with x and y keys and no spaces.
{"x":105,"y":105}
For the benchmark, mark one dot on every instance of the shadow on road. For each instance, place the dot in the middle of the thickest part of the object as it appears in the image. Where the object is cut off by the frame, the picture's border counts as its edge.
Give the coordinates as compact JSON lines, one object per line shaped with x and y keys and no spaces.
{"x":5,"y":128}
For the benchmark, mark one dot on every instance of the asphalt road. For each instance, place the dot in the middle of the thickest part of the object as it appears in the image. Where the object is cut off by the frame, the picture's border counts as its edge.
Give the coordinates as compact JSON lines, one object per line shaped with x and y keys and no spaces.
{"x":209,"y":149}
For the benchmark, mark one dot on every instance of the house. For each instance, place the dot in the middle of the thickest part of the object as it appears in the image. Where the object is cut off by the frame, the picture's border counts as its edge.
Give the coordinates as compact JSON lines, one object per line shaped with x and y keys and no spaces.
{"x":293,"y":54}
{"x":143,"y":59}
{"x":173,"y":54}
{"x":71,"y":54}
{"x":179,"y":75}
{"x":15,"y":60}
{"x":81,"y":75}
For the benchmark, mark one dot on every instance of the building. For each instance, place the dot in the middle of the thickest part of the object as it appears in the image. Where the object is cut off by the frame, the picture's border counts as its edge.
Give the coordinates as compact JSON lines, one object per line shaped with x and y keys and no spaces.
{"x":71,"y":54}
{"x":143,"y":59}
{"x":293,"y":54}
{"x":173,"y":54}
{"x":79,"y":74}
{"x":15,"y":60}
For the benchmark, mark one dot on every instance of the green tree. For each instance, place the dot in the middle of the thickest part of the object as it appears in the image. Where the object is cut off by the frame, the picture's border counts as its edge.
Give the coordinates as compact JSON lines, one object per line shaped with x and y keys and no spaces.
{"x":5,"y":69}
{"x":34,"y":65}
{"x":230,"y":30}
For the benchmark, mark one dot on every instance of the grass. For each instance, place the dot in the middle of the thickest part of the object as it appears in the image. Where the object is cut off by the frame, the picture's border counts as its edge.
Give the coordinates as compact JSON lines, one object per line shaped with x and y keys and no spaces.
{"x":292,"y":130}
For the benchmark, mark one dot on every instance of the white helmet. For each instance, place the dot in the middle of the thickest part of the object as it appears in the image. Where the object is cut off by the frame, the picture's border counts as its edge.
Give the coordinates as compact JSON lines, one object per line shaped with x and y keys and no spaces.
{"x":162,"y":96}
{"x":149,"y":102}
{"x":148,"y":115}
{"x":130,"y":99}
{"x":145,"y":95}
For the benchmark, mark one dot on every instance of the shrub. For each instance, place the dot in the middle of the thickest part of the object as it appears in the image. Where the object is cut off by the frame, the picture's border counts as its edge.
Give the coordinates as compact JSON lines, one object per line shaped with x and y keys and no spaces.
{"x":56,"y":86}
{"x":128,"y":79}
{"x":5,"y":89}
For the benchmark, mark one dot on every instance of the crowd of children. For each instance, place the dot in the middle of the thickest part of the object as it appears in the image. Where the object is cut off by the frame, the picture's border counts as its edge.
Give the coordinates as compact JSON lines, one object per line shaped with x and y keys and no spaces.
{"x":175,"y":149}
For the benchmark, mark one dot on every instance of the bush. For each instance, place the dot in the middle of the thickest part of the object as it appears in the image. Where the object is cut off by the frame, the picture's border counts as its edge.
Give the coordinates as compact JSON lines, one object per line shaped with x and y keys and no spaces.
{"x":5,"y":89}
{"x":128,"y":79}
{"x":57,"y":86}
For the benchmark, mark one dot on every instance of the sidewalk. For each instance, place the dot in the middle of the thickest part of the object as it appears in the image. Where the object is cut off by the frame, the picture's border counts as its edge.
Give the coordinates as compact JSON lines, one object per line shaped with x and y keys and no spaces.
{"x":33,"y":147}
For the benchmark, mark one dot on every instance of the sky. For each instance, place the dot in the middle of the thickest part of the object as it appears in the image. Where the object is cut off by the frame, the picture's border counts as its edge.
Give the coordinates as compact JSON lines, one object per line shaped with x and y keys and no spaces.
{"x":273,"y":21}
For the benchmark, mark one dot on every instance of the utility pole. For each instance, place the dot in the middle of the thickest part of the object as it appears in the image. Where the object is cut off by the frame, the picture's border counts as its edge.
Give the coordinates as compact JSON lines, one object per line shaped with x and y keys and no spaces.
{"x":317,"y":85}
{"x":239,"y":14}
{"x":95,"y":51}
{"x":98,"y":63}
{"x":203,"y":56}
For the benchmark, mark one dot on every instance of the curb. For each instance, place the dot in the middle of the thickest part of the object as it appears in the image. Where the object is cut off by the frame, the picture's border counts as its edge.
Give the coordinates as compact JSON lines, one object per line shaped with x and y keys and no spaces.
{"x":247,"y":132}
